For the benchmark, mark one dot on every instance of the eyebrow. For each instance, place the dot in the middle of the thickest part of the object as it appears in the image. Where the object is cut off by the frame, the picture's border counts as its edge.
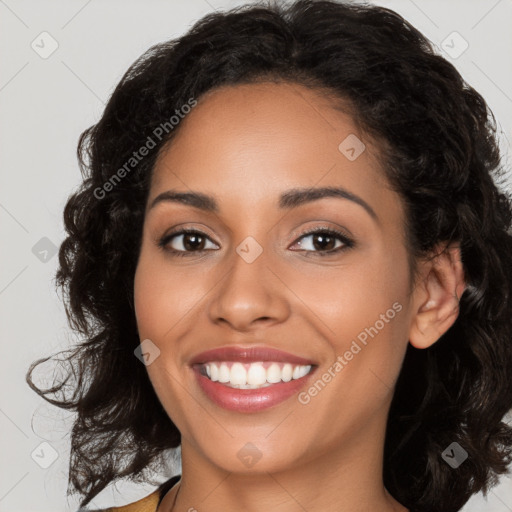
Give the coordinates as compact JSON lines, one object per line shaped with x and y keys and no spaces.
{"x":288,"y":200}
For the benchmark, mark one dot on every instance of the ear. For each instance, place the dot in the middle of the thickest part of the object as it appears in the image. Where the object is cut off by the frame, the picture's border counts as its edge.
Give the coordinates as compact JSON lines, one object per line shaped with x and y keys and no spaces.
{"x":437,"y":296}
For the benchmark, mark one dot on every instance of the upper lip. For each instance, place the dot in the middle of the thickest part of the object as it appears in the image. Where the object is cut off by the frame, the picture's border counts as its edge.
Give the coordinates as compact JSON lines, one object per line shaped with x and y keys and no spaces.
{"x":249,"y":355}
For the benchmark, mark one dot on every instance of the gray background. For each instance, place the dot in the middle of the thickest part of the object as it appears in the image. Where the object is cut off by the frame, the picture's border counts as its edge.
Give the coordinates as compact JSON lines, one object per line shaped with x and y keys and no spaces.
{"x":45,"y":103}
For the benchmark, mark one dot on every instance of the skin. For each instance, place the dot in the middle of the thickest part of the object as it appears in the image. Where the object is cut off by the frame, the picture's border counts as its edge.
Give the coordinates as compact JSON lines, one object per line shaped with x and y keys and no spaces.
{"x":245,"y":145}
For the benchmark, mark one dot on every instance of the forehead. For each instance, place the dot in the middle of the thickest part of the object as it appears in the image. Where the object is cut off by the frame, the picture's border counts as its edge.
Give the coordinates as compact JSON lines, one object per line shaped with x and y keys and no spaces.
{"x":266,"y":137}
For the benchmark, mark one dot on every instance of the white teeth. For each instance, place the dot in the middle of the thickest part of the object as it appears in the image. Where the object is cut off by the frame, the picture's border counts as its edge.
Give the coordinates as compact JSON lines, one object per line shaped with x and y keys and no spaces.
{"x":257,"y":375}
{"x":287,"y":373}
{"x":304,"y":370}
{"x":273,"y":373}
{"x":238,"y":374}
{"x":254,"y":375}
{"x":224,"y":373}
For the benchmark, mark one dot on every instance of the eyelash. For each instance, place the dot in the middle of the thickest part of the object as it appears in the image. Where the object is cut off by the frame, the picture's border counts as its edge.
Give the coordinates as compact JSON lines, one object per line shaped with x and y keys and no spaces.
{"x":348,"y":243}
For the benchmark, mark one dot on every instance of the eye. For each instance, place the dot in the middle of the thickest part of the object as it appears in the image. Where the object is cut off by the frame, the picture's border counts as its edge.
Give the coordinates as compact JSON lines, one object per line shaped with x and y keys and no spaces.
{"x":185,"y":241}
{"x":324,"y":241}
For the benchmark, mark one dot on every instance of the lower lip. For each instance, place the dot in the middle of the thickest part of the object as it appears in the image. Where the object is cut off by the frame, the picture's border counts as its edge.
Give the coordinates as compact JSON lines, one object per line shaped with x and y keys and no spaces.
{"x":249,"y":400}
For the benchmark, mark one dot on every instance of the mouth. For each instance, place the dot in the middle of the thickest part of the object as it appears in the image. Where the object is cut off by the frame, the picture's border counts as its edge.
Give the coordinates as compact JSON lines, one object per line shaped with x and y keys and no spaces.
{"x":251,"y":379}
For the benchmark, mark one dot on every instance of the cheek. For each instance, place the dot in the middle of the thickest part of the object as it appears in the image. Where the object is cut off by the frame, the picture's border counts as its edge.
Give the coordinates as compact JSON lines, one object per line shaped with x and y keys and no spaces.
{"x":163,"y":296}
{"x":348,"y":299}
{"x":362,"y":311}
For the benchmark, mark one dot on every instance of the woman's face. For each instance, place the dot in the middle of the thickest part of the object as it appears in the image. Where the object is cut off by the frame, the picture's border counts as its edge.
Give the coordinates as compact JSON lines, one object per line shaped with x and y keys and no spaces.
{"x":259,"y":275}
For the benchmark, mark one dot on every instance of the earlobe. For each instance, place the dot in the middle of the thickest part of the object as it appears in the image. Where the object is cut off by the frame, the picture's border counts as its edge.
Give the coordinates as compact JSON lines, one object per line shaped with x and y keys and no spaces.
{"x":437,"y":297}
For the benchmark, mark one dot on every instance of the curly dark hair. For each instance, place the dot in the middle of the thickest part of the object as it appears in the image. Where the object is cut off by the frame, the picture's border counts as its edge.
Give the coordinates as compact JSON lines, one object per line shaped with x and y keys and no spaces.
{"x":438,"y":145}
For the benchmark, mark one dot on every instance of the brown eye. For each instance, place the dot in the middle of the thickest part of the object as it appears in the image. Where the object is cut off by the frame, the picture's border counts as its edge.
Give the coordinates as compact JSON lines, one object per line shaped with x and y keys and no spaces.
{"x":186,"y":241}
{"x":192,"y":242}
{"x":324,"y":242}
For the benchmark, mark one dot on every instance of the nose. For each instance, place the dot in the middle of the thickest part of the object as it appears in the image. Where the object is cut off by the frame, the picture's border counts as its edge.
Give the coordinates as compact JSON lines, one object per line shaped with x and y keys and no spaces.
{"x":250,"y":294}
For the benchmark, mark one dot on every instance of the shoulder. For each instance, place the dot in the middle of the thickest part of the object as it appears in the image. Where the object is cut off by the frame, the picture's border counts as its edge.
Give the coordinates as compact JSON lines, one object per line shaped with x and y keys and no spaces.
{"x":147,"y":504}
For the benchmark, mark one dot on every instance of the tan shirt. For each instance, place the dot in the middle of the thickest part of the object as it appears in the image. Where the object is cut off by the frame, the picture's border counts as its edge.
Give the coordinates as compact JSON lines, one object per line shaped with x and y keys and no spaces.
{"x":147,"y":504}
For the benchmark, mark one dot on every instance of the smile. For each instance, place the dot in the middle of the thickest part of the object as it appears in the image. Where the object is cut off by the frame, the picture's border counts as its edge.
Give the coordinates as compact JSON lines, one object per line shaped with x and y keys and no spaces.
{"x":250,"y":379}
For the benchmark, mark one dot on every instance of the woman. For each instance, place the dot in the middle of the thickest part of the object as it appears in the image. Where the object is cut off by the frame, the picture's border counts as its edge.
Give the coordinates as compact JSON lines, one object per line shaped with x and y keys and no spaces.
{"x":289,"y":258}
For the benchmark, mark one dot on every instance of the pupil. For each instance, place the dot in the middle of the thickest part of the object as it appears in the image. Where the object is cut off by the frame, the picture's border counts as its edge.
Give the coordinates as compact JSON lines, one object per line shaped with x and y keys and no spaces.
{"x":194,"y":238}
